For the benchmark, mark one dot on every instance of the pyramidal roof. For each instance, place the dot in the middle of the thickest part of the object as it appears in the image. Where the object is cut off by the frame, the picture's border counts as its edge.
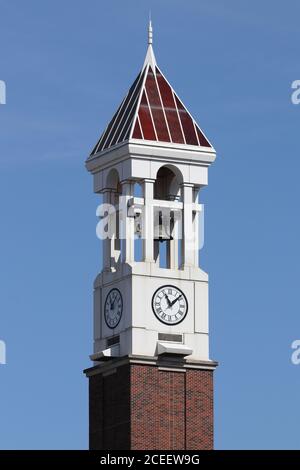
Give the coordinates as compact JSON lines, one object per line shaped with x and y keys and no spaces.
{"x":151,"y":111}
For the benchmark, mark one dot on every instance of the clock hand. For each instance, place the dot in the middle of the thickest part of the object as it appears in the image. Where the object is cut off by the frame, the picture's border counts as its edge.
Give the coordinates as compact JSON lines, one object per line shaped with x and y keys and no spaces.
{"x":174,"y":301}
{"x":112,"y":303}
{"x":168,"y":300}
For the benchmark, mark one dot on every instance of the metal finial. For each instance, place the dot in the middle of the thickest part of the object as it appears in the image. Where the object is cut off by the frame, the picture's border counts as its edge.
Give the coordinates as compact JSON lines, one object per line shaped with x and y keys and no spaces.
{"x":150,"y":31}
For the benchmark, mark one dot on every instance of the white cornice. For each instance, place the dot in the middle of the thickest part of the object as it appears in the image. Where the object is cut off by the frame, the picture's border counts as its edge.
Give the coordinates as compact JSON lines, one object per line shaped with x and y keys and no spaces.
{"x":151,"y":150}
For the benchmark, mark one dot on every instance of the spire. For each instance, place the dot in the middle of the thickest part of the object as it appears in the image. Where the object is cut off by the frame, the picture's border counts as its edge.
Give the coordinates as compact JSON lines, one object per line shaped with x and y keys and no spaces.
{"x":150,"y":57}
{"x":150,"y":31}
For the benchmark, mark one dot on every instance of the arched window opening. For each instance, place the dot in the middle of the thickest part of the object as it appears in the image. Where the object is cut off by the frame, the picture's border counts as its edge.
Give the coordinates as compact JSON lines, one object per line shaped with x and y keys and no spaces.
{"x":167,"y":184}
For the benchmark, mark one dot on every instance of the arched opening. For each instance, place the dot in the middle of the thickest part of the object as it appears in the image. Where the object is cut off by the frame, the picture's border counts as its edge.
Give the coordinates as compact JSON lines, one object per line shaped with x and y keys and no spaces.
{"x":167,"y":184}
{"x":113,"y":186}
{"x":112,"y":179}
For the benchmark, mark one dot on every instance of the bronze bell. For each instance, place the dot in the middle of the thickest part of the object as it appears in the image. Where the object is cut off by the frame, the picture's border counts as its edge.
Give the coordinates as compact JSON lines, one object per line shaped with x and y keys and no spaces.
{"x":162,"y":231}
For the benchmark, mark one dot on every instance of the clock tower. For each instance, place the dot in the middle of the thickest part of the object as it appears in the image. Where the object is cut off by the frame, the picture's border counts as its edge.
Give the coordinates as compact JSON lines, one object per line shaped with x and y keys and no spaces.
{"x":151,"y":382}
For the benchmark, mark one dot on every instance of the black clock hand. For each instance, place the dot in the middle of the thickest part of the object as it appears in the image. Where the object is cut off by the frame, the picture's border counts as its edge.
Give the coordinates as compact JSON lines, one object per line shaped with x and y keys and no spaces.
{"x":174,"y":301}
{"x":168,"y":300}
{"x":112,"y":305}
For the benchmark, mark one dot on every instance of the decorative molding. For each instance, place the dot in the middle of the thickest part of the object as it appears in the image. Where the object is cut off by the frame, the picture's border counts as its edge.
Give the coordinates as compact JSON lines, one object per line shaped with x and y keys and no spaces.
{"x":162,"y":363}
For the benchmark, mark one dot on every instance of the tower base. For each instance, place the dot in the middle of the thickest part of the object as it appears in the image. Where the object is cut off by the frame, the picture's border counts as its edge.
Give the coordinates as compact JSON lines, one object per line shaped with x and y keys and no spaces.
{"x":138,"y":403}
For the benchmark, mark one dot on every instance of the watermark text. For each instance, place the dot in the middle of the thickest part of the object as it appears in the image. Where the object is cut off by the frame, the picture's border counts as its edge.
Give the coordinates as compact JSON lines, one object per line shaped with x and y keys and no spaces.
{"x":295,"y":357}
{"x":2,"y":352}
{"x":2,"y":92}
{"x":295,"y":97}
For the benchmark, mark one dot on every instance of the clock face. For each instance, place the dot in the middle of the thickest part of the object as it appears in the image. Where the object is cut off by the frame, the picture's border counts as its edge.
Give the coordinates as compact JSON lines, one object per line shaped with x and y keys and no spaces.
{"x":169,"y":305}
{"x":113,"y":308}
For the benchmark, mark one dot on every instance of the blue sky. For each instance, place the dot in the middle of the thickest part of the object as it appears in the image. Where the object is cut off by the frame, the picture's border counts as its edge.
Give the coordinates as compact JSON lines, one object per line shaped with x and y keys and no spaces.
{"x":67,"y":65}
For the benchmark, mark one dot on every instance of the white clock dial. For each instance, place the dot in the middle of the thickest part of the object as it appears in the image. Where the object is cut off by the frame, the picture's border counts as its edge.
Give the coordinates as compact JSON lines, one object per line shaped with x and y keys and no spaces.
{"x":113,"y":308}
{"x":170,"y":305}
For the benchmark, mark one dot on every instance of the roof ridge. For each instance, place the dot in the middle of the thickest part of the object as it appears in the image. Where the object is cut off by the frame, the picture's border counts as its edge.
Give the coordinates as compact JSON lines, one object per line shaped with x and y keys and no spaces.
{"x":139,"y":102}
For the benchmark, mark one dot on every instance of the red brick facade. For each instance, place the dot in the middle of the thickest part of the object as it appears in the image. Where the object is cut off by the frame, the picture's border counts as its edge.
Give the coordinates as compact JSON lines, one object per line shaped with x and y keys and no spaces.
{"x":144,"y":407}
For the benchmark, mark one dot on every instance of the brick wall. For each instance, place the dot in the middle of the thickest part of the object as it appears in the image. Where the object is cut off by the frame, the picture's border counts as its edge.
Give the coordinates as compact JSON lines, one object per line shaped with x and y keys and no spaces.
{"x":144,"y":407}
{"x":199,"y":410}
{"x":171,"y":410}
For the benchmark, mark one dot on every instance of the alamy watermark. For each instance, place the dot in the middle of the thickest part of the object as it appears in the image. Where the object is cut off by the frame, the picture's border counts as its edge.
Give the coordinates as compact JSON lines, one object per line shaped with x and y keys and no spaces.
{"x":295,"y":357}
{"x":295,"y":97}
{"x":2,"y":92}
{"x":167,"y":223}
{"x":2,"y":352}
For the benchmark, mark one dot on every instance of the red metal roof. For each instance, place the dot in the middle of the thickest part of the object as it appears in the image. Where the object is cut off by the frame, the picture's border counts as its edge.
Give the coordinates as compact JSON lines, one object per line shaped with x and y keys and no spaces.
{"x":151,"y":111}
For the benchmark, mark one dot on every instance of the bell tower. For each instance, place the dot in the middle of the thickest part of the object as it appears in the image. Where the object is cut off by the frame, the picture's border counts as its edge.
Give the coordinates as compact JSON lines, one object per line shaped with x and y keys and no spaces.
{"x":151,"y":383}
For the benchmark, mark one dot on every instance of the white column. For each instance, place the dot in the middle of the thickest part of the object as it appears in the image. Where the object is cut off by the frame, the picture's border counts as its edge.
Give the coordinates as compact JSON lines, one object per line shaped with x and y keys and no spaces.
{"x":188,"y":229}
{"x":196,"y":217}
{"x":173,"y":244}
{"x":148,"y":222}
{"x":114,"y":253}
{"x":107,"y":241}
{"x":126,"y":223}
